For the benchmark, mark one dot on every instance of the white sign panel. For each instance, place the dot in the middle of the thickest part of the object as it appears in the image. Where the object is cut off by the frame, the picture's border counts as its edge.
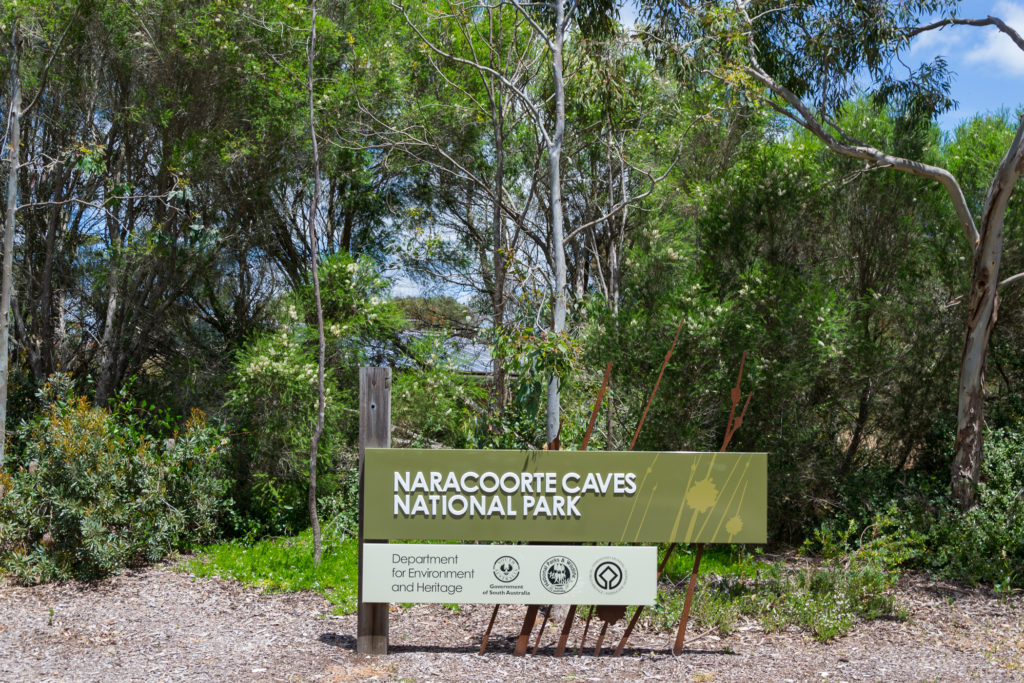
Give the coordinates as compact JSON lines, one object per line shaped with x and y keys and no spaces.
{"x":507,"y":574}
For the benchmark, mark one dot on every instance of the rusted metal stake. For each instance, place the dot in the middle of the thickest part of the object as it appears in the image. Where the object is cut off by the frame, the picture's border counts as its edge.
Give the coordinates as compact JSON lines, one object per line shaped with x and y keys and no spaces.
{"x":523,"y":642}
{"x":597,"y":406}
{"x":540,"y":633}
{"x":600,"y":639}
{"x":487,"y":633}
{"x":677,"y":647}
{"x":609,"y":614}
{"x":586,"y":627}
{"x":664,"y":364}
{"x":640,"y":608}
{"x":563,"y":638}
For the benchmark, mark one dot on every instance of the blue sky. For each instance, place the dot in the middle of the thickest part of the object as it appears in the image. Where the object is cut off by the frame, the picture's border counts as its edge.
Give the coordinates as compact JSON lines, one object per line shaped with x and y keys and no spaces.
{"x":988,"y":66}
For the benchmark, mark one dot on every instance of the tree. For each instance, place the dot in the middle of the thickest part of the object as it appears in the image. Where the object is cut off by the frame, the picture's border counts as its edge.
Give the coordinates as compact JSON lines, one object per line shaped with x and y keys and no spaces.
{"x":16,"y":113}
{"x":550,"y":23}
{"x":802,"y":59}
{"x":314,"y":201}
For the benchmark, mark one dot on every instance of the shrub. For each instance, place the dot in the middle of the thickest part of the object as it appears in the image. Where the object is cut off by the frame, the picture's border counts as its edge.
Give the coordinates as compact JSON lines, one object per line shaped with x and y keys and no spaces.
{"x":985,"y":545}
{"x":921,"y":527}
{"x":90,"y":491}
{"x":273,"y":394}
{"x":433,"y":402}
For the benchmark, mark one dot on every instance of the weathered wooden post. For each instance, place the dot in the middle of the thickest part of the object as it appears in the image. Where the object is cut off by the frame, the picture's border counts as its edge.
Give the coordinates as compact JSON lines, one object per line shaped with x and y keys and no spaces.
{"x":374,"y":432}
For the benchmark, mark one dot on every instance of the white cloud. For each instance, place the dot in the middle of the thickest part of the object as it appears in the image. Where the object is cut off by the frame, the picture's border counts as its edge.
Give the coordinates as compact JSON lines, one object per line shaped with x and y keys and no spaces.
{"x":995,"y":50}
{"x":944,"y":41}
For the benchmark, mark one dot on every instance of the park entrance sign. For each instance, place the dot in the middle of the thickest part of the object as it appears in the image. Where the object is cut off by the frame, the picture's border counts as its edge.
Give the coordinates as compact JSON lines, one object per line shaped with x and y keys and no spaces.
{"x":540,"y":498}
{"x":565,"y":496}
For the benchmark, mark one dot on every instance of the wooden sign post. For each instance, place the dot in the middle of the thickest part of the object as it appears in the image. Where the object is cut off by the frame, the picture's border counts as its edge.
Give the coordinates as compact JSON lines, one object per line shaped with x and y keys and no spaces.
{"x":374,"y":432}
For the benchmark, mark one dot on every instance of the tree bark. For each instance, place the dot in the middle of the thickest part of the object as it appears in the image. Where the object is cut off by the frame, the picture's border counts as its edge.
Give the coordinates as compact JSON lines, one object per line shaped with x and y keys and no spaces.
{"x":314,"y":447}
{"x":7,"y":285}
{"x":557,"y":229}
{"x":981,"y":316}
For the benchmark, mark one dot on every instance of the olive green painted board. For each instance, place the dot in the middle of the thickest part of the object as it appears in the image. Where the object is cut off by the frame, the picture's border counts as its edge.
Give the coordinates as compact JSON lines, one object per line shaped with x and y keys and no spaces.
{"x":565,"y":496}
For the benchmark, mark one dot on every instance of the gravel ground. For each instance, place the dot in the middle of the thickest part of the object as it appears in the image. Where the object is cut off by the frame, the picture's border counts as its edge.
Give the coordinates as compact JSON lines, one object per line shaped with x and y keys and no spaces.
{"x":156,"y":624}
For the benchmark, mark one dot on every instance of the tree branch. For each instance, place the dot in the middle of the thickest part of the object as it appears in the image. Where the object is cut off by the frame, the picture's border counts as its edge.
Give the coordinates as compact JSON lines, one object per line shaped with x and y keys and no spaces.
{"x":955,"y":21}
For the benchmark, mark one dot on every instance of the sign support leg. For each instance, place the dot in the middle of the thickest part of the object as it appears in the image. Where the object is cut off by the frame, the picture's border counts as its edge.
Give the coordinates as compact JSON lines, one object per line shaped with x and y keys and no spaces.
{"x":487,"y":633}
{"x":563,"y":638}
{"x":543,"y":625}
{"x":374,"y":432}
{"x":524,"y":633}
{"x":677,"y":647}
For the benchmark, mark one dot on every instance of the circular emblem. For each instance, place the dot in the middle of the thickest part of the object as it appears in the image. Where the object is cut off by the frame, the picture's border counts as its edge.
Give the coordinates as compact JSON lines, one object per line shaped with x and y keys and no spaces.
{"x":506,"y":568}
{"x":608,"y":575}
{"x":558,"y":574}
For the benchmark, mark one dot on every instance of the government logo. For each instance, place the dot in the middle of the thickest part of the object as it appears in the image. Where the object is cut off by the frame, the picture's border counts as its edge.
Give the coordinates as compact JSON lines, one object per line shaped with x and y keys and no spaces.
{"x":506,"y":569}
{"x":558,"y":574}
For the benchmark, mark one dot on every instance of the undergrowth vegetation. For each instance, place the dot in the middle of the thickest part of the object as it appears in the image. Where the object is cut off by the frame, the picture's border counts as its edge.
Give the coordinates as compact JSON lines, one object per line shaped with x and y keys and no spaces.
{"x":915,"y":525}
{"x":826,"y":599}
{"x":90,"y":491}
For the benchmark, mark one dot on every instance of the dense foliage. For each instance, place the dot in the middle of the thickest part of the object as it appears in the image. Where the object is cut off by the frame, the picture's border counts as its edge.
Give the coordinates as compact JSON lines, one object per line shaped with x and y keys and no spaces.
{"x":162,"y":259}
{"x":91,"y":492}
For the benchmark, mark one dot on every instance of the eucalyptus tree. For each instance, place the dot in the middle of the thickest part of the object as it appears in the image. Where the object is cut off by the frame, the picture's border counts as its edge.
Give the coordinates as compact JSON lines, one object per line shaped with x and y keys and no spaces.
{"x":549,"y":23}
{"x":804,"y":59}
{"x":459,"y":135}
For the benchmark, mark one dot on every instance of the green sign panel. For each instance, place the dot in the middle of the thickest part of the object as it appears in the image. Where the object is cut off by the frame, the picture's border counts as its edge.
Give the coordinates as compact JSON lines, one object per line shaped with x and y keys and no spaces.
{"x":576,"y":496}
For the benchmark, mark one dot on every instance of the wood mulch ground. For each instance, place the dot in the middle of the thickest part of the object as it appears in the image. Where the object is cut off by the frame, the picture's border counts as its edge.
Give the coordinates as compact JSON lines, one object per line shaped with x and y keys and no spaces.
{"x":156,"y":624}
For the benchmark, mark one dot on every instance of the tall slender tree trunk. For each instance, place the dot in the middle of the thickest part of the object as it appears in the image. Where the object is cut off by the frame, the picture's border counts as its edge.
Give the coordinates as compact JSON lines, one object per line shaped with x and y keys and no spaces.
{"x":500,"y":259}
{"x":116,"y":232}
{"x":557,"y":229}
{"x":314,"y":518}
{"x":981,"y":316}
{"x":7,"y":285}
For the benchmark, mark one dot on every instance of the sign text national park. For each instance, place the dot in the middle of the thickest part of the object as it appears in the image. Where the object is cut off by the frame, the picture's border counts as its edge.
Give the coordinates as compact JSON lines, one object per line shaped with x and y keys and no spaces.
{"x":488,"y":495}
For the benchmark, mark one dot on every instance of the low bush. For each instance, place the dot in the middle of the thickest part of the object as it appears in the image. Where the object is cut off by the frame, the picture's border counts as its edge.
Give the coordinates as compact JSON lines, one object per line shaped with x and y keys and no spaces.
{"x":88,"y":491}
{"x":920,"y":527}
{"x":826,"y":599}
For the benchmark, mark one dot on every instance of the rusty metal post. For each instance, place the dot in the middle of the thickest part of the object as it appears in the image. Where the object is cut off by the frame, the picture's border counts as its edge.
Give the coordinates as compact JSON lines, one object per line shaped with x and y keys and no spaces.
{"x":563,"y":638}
{"x":640,"y":608}
{"x":523,"y":642}
{"x":543,"y":625}
{"x":677,"y":647}
{"x":487,"y":633}
{"x":586,"y":628}
{"x":374,"y":432}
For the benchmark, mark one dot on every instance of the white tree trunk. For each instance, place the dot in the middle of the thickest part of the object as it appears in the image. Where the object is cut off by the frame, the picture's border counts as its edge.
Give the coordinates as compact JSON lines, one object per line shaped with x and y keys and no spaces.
{"x":557,"y":227}
{"x":981,"y":316}
{"x":7,"y":285}
{"x":314,"y":518}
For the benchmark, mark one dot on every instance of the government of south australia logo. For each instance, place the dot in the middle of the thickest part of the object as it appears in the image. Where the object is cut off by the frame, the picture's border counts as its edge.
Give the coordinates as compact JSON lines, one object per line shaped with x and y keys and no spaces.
{"x":558,"y":574}
{"x":608,"y":575}
{"x":506,"y":569}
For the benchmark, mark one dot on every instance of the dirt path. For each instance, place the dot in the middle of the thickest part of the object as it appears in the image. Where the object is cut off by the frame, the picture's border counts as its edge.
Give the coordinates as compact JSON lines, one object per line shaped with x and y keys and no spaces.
{"x":160,"y":625}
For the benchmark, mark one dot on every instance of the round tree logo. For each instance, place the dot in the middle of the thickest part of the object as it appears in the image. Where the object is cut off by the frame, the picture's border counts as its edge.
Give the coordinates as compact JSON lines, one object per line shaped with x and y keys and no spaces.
{"x":506,"y":569}
{"x":558,"y":574}
{"x":608,"y":575}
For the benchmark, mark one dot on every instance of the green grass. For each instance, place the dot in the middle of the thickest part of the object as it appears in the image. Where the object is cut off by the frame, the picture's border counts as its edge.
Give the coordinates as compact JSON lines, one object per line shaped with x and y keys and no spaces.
{"x":727,"y":560}
{"x":286,"y":564}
